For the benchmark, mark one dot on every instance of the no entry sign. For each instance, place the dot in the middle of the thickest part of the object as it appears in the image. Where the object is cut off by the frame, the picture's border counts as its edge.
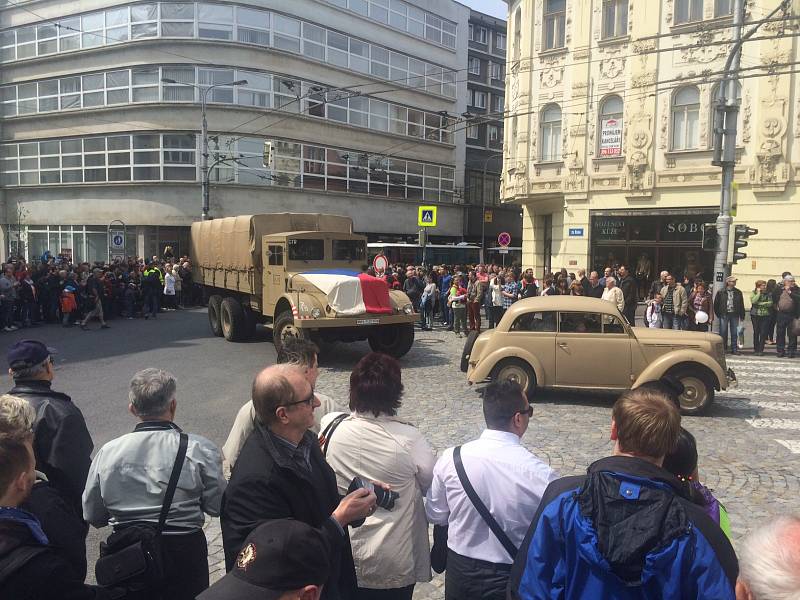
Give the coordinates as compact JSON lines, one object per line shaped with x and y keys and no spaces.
{"x":504,"y":239}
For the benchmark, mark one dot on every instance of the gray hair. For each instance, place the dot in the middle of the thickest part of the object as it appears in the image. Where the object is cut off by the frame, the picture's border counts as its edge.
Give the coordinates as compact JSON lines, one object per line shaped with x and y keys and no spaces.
{"x":151,"y":392}
{"x":33,"y":372}
{"x":17,"y":417}
{"x":612,"y":280}
{"x":769,"y":559}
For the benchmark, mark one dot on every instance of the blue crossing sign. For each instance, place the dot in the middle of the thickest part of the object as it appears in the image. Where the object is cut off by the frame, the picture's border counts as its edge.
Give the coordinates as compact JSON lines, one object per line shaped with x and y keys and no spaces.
{"x":427,"y":216}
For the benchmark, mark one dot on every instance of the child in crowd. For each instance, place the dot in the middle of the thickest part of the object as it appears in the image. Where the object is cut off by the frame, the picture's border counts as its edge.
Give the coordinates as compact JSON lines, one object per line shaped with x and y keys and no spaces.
{"x":653,"y":314}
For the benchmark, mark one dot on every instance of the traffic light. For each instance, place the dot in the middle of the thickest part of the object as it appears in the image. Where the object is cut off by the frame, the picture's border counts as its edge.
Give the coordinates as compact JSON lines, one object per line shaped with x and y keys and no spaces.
{"x":741,"y":233}
{"x":710,"y":237}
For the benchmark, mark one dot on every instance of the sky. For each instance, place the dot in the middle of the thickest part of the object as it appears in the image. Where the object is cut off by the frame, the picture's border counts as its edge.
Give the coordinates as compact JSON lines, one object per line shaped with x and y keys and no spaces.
{"x":496,"y":8}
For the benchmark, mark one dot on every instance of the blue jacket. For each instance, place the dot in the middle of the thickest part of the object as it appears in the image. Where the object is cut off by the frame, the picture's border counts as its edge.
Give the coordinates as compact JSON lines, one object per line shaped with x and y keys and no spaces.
{"x":625,"y":530}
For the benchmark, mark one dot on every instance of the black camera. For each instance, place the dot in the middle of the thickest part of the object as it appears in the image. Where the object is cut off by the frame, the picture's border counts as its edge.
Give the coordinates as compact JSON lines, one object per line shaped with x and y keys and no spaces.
{"x":385,"y":498}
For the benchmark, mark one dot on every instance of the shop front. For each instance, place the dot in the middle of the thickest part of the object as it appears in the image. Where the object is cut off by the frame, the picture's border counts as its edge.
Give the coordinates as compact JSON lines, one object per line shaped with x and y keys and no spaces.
{"x":649,"y":242}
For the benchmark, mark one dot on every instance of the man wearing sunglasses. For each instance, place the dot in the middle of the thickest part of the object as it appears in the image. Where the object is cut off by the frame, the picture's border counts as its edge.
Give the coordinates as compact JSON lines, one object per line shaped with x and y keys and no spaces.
{"x":497,"y":467}
{"x":280,"y":473}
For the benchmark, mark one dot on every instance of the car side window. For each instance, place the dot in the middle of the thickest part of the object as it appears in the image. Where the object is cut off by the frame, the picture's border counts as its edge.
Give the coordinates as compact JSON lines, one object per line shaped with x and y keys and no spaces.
{"x":612,"y":324}
{"x":580,"y":322}
{"x":535,"y":322}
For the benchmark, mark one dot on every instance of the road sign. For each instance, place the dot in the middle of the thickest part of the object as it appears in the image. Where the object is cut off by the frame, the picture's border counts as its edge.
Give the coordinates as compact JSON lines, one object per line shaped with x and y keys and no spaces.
{"x":576,"y":232}
{"x":504,"y":239}
{"x":117,"y":258}
{"x":116,"y":240}
{"x":427,"y":216}
{"x":488,"y":216}
{"x":380,"y":263}
{"x":503,"y":250}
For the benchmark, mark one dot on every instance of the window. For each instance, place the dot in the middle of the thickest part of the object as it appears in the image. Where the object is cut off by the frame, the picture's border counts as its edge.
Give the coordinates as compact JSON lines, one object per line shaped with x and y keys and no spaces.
{"x":686,"y":118}
{"x":610,"y":139}
{"x":478,"y":34}
{"x":517,"y":33}
{"x":497,"y":103}
{"x":275,"y":254}
{"x":578,"y":322}
{"x":498,"y":72}
{"x":723,"y":8}
{"x":535,"y":322}
{"x":500,"y":41}
{"x":555,"y":18}
{"x":349,"y":250}
{"x":494,"y":134}
{"x":612,"y":324}
{"x":477,"y":99}
{"x":473,"y":132}
{"x":215,"y":21}
{"x":688,"y":11}
{"x":551,"y":133}
{"x":615,"y":18}
{"x":474,"y":66}
{"x":305,"y":250}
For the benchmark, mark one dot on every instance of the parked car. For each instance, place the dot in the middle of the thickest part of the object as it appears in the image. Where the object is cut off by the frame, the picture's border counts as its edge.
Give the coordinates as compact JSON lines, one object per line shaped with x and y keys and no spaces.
{"x":586,"y":343}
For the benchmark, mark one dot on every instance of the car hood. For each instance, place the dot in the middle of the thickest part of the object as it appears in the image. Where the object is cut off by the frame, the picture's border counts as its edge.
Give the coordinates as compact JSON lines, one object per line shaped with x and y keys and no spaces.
{"x":649,"y":335}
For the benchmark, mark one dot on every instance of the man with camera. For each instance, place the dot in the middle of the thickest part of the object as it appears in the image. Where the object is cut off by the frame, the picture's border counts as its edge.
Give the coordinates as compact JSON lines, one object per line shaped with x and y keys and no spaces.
{"x":281,"y":473}
{"x":471,"y":491}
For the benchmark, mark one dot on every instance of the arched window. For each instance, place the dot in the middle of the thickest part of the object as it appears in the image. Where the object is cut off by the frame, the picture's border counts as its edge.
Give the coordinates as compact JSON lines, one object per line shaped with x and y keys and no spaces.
{"x":610,"y":139}
{"x":517,"y":33}
{"x":686,"y":119}
{"x":551,"y":133}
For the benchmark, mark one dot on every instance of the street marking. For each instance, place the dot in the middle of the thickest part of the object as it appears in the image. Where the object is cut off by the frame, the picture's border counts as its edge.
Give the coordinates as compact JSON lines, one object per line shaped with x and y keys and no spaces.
{"x":792,"y":445}
{"x":772,"y":423}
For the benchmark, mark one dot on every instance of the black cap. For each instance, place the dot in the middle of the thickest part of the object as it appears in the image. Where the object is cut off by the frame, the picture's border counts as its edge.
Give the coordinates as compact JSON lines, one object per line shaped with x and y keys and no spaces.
{"x":278,"y":556}
{"x":25,"y":354}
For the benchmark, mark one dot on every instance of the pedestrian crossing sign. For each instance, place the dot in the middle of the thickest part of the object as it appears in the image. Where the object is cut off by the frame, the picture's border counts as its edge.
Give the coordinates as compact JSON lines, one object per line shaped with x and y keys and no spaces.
{"x":427,"y":216}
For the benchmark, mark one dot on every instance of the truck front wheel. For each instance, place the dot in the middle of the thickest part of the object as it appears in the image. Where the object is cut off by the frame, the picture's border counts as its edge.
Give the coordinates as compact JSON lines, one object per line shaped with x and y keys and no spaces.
{"x":214,"y":302}
{"x":233,"y":320}
{"x":284,"y":329}
{"x":394,"y":340}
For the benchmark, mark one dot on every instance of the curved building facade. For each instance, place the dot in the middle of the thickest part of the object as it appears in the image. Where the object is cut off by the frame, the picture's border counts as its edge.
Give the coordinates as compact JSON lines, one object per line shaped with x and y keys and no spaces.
{"x":349,"y":107}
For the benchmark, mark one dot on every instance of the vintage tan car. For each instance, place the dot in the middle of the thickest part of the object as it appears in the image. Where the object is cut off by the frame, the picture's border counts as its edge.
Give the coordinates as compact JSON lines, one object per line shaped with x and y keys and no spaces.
{"x":585,"y":343}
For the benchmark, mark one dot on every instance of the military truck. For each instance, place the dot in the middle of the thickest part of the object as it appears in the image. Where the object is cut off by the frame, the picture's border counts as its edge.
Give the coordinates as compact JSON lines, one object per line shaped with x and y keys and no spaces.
{"x":299,"y":274}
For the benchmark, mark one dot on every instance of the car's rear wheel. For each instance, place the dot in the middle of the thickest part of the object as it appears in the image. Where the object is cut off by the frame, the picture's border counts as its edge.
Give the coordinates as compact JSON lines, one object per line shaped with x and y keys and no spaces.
{"x":468,"y":345}
{"x":518,"y":371}
{"x":698,"y":392}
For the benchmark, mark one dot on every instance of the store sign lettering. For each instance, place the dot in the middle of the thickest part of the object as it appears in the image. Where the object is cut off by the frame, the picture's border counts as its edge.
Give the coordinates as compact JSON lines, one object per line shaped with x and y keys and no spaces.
{"x":609,"y":227}
{"x":683,"y":227}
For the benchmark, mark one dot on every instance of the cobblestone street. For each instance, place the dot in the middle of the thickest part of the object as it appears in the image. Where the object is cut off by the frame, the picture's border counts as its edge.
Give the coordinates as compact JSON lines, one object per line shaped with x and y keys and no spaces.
{"x":749,"y":442}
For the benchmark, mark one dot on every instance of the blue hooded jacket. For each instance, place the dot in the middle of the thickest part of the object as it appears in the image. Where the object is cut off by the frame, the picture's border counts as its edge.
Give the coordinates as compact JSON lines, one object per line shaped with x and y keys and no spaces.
{"x":624,"y":531}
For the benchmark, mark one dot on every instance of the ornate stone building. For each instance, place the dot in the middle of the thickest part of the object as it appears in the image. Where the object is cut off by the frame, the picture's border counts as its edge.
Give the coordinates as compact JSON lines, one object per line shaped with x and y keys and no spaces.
{"x":608,"y":140}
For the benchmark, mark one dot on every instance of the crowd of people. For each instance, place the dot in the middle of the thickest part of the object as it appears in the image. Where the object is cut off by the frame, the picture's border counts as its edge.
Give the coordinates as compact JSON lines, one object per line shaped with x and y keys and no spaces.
{"x":459,"y":296}
{"x":56,"y":290}
{"x":332,"y":499}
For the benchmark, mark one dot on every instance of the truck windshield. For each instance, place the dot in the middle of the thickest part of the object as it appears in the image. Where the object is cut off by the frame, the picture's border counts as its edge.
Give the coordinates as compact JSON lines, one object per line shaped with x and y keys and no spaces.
{"x":305,"y":250}
{"x":350,"y":250}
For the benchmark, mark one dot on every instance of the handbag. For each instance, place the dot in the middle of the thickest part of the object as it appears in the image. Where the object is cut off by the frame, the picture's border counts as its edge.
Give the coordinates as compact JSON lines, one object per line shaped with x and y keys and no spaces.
{"x":132,"y":556}
{"x":481,"y":507}
{"x":327,"y":434}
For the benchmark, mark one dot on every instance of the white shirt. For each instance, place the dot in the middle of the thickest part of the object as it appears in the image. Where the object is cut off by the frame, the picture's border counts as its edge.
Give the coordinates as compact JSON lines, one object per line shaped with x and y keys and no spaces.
{"x":506,"y":476}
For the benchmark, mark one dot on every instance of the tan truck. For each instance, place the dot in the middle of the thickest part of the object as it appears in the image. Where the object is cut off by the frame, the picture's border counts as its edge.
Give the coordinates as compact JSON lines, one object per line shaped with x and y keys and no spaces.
{"x":300,"y":275}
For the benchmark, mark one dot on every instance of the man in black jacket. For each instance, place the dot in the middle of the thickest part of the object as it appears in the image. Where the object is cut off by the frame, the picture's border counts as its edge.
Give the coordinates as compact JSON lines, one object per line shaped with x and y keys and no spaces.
{"x":729,"y":308}
{"x":281,"y":473}
{"x":630,"y":292}
{"x":62,"y":444}
{"x":787,"y":308}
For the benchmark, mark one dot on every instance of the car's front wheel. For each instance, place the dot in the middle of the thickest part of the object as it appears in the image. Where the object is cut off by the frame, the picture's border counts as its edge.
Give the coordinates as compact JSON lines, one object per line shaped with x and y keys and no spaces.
{"x":518,"y":371}
{"x":698,"y":390}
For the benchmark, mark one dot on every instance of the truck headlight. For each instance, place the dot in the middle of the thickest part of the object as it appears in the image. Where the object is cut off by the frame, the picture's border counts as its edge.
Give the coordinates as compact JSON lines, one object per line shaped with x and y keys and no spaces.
{"x":316,"y":313}
{"x":408,"y":309}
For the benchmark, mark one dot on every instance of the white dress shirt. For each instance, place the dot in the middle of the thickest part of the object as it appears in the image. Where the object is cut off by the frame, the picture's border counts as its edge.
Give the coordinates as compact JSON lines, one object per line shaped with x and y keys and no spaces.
{"x":506,"y":476}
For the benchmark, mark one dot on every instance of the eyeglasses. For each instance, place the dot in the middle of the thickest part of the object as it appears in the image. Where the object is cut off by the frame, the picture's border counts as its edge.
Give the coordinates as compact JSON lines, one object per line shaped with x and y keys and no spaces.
{"x":528,"y":412}
{"x":309,"y":401}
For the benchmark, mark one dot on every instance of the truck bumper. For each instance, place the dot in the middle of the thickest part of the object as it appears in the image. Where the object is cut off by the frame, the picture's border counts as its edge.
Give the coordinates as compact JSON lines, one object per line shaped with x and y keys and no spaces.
{"x":360,"y":321}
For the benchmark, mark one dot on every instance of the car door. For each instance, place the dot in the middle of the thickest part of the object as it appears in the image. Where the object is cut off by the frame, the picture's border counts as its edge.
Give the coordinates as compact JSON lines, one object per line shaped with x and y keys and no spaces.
{"x":274,"y":272}
{"x":535,"y":333}
{"x":592,"y":350}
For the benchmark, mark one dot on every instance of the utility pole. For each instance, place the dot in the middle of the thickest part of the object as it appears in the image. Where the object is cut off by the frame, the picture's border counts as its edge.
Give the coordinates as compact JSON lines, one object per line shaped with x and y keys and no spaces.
{"x":726,"y":115}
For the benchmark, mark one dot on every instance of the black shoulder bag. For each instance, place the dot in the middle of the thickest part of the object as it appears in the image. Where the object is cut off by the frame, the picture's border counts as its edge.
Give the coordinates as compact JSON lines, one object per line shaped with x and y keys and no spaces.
{"x":327,"y":434}
{"x":481,"y":507}
{"x":132,"y":556}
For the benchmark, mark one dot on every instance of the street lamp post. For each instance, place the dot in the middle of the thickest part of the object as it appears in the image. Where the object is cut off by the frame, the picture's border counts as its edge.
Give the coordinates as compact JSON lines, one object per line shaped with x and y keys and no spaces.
{"x":483,"y":203}
{"x":204,"y":170}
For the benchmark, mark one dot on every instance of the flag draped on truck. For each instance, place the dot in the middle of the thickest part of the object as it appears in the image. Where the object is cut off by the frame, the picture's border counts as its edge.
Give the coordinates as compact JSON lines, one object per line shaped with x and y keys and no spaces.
{"x":351,"y":293}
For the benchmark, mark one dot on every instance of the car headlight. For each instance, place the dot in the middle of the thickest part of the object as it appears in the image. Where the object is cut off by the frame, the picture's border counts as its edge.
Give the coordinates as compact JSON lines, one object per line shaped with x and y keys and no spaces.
{"x":316,"y":313}
{"x":408,"y":309}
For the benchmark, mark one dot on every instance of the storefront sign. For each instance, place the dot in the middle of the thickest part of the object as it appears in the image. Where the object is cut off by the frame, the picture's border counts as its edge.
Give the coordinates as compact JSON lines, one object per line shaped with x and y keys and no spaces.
{"x":683,"y":229}
{"x":576,"y":232}
{"x":610,"y":138}
{"x":608,"y":228}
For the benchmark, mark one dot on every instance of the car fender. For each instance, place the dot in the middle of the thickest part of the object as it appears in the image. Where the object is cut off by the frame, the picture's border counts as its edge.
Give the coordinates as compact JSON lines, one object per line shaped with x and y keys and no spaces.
{"x":486,"y":363}
{"x":659,"y":367}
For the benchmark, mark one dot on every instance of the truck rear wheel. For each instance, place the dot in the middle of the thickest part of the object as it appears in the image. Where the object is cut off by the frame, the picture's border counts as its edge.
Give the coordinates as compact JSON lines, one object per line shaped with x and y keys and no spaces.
{"x":394,"y":340}
{"x":233,"y":320}
{"x":284,"y":329}
{"x":214,"y":302}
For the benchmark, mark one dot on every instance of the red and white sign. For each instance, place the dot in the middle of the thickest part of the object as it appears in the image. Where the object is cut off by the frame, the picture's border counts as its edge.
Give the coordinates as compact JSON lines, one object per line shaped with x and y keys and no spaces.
{"x":610,"y":138}
{"x":504,"y":239}
{"x":380,"y":263}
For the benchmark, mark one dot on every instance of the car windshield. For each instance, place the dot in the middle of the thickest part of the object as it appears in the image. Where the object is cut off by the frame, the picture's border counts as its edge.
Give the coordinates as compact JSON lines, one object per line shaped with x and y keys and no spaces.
{"x":306,"y":250}
{"x":349,"y":250}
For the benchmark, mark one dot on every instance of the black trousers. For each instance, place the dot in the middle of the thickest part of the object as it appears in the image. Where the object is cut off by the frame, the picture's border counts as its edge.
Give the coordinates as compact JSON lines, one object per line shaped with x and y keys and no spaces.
{"x":784,"y":325}
{"x":403,"y":593}
{"x":186,"y":563}
{"x":472,"y":579}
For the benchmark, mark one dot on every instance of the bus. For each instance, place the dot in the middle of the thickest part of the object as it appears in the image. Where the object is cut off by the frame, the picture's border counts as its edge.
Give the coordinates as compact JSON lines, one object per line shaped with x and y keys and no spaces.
{"x":435,"y":254}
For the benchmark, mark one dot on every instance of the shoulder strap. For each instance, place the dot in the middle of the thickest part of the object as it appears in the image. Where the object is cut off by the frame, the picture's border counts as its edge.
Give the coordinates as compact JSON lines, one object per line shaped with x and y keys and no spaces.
{"x":480,"y":506}
{"x":327,"y":434}
{"x":173,"y":481}
{"x":18,"y":559}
